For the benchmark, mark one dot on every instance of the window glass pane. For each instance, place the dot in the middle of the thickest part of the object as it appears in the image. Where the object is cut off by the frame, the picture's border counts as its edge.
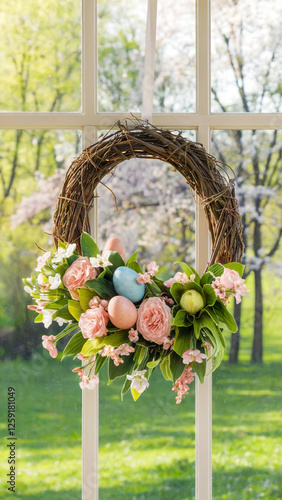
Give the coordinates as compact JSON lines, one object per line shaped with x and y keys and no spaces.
{"x":143,"y":453}
{"x":40,"y":55}
{"x":246,"y":56}
{"x":48,"y":400}
{"x":121,"y":47}
{"x":246,"y":400}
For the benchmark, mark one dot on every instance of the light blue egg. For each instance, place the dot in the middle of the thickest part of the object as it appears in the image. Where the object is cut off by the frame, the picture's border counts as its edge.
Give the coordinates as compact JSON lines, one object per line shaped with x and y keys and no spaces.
{"x":124,"y":281}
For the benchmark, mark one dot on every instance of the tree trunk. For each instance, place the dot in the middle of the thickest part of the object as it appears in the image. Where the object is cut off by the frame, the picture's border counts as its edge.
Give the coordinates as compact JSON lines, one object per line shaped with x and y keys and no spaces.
{"x":258,"y":319}
{"x":235,"y":337}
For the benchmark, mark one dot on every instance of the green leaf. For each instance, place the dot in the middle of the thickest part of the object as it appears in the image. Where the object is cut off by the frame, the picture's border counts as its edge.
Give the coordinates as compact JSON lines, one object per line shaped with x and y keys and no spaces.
{"x":88,"y":246}
{"x":115,"y":340}
{"x":61,"y":269}
{"x":165,"y":368}
{"x":207,"y":278}
{"x":144,"y":342}
{"x":211,"y":312}
{"x":39,"y":318}
{"x":125,"y":387}
{"x":63,"y":313}
{"x":85,"y":295}
{"x":216,"y":269}
{"x":209,"y":294}
{"x":225,"y":316}
{"x":176,"y":366}
{"x":200,"y":369}
{"x":217,"y":358}
{"x":188,"y":270}
{"x":102,"y":287}
{"x":132,"y":258}
{"x":204,"y":321}
{"x":75,"y":345}
{"x":154,"y":363}
{"x":68,"y":329}
{"x":135,"y":266}
{"x":183,"y":340}
{"x":99,"y":362}
{"x":236,"y":266}
{"x":120,"y":370}
{"x":57,"y":304}
{"x":75,"y":309}
{"x":152,"y":290}
{"x":71,"y":259}
{"x":116,"y":260}
{"x":180,"y":319}
{"x":140,"y":352}
{"x":178,"y":289}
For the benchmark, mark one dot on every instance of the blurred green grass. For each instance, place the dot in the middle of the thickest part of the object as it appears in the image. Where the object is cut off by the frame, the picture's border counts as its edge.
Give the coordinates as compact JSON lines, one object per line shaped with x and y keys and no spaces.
{"x":147,"y":448}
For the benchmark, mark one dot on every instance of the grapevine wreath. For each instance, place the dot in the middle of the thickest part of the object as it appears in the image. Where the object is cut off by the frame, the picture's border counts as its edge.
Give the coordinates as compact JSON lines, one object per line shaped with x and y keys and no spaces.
{"x":116,"y":311}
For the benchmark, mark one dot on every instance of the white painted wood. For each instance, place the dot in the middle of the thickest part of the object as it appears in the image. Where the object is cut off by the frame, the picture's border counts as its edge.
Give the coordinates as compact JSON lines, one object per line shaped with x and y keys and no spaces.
{"x":149,"y":62}
{"x":222,"y":121}
{"x":203,"y":394}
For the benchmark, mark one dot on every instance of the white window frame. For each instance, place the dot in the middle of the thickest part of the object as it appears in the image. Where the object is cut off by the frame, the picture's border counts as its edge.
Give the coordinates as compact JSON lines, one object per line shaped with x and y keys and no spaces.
{"x":203,"y":121}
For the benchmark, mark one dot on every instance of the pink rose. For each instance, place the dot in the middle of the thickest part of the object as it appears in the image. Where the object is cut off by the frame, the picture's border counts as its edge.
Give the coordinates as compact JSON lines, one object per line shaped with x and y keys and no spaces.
{"x":153,"y":320}
{"x":77,"y":274}
{"x":93,"y":323}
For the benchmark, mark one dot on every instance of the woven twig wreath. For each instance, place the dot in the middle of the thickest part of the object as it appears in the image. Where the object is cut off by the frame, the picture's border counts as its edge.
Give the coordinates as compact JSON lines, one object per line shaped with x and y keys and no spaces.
{"x":138,"y":139}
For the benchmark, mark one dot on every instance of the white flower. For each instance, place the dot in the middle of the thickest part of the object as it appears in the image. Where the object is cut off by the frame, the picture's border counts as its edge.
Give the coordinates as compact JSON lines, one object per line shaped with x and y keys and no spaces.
{"x":89,"y":383}
{"x":61,"y":321}
{"x":41,"y":261}
{"x":27,"y":289}
{"x":47,"y":317}
{"x":139,"y":382}
{"x":55,"y":281}
{"x":101,"y":261}
{"x":40,"y":279}
{"x":64,"y":253}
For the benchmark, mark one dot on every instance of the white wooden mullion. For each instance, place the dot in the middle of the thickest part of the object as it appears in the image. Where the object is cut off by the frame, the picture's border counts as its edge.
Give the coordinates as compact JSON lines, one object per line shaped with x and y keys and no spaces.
{"x":203,"y":393}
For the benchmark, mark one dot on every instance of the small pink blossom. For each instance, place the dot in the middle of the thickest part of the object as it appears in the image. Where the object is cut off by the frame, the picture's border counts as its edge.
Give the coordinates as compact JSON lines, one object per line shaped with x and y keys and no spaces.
{"x":124,"y":350}
{"x":153,"y":320}
{"x":78,"y":370}
{"x":48,"y":343}
{"x":190,"y":356}
{"x":167,"y":300}
{"x":133,"y":335}
{"x":77,"y":274}
{"x":168,"y":343}
{"x":181,"y":385}
{"x":89,"y":383}
{"x":38,"y":308}
{"x":144,"y":278}
{"x":229,"y":283}
{"x":81,"y":357}
{"x":41,"y":260}
{"x":93,"y":322}
{"x":152,"y":268}
{"x":207,"y":345}
{"x":179,"y":278}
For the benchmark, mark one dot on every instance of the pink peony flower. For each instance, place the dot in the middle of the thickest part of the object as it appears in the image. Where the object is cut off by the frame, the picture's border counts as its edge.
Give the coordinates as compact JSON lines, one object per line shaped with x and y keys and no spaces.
{"x":133,"y":335}
{"x":152,"y":268}
{"x":89,"y":383}
{"x":77,"y":274}
{"x":153,"y":320}
{"x":144,"y":278}
{"x":190,"y":356}
{"x":93,"y":323}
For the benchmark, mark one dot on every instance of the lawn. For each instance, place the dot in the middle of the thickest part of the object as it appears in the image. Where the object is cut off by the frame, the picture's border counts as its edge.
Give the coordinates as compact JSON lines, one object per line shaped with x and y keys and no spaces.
{"x":147,"y":448}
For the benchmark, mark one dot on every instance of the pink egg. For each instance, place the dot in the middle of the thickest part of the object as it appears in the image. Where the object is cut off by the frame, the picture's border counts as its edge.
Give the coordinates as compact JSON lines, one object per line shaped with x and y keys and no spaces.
{"x":115,"y":245}
{"x":122,"y":312}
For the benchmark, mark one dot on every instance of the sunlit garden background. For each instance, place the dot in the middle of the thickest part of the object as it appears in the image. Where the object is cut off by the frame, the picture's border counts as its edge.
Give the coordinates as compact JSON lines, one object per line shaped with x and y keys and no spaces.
{"x":146,"y":448}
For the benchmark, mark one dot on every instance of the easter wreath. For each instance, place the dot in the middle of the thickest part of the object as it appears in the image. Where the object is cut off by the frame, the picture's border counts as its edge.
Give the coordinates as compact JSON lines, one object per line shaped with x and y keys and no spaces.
{"x":114,"y":309}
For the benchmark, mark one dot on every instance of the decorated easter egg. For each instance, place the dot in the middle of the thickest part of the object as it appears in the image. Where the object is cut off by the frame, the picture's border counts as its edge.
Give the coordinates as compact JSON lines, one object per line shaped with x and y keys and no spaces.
{"x":122,"y":312}
{"x":124,"y":281}
{"x":114,"y":245}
